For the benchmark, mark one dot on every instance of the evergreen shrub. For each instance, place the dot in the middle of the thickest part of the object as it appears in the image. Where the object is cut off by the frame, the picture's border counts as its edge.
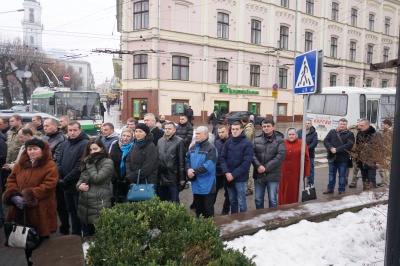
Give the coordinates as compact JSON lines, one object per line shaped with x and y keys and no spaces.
{"x":158,"y":233}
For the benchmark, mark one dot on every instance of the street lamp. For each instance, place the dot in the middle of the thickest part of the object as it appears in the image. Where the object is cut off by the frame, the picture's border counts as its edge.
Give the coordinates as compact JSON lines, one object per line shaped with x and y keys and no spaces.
{"x":18,"y":10}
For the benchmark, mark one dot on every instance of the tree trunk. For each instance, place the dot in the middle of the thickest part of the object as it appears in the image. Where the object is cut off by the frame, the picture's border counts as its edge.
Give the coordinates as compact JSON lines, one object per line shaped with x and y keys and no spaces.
{"x":6,"y":90}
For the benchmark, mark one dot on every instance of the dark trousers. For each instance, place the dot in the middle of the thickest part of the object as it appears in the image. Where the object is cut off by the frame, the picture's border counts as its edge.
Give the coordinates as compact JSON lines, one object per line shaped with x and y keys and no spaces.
{"x":3,"y":181}
{"x":62,"y":211}
{"x":169,"y":193}
{"x":369,"y":175}
{"x":71,"y":199}
{"x":221,"y":183}
{"x":204,"y":204}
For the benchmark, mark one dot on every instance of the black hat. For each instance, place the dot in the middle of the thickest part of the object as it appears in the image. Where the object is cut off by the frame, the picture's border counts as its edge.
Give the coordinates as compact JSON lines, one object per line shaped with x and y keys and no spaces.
{"x":143,"y":127}
{"x":35,"y":142}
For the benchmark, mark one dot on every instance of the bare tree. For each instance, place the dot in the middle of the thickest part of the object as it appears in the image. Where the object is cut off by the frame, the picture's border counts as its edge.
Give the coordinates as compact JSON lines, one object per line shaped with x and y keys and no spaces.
{"x":6,"y":57}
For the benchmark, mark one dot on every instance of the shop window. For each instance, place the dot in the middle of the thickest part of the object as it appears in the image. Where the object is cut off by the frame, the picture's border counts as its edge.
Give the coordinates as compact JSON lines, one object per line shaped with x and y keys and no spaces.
{"x":178,"y":107}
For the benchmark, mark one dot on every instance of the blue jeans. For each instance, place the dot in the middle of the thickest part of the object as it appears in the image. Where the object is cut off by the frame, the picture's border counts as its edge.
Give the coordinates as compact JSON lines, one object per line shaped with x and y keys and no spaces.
{"x":341,"y":169}
{"x":311,"y":177}
{"x":169,"y":193}
{"x":272,"y":188}
{"x":237,"y":196}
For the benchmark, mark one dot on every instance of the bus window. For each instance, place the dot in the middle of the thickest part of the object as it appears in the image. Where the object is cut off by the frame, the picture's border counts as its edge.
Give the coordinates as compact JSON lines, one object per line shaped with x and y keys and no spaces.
{"x":362,"y":106}
{"x":316,"y":103}
{"x":387,"y":106}
{"x":372,"y":111}
{"x":336,"y":105}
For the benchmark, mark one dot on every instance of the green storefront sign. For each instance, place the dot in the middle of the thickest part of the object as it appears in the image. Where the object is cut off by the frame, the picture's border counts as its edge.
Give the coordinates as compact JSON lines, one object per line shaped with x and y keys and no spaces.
{"x":223,"y":88}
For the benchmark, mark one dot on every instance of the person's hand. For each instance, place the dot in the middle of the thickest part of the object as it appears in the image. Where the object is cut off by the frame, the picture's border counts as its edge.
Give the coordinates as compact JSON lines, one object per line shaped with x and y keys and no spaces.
{"x":333,"y":150}
{"x":182,"y":182}
{"x":6,"y":167}
{"x":18,"y":201}
{"x":190,"y":173}
{"x":261,"y":169}
{"x":83,"y":187}
{"x":229,"y":177}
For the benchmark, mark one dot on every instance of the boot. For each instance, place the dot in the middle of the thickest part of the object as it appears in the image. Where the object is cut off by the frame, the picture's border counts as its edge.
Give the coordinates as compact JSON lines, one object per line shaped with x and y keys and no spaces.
{"x":367,"y":185}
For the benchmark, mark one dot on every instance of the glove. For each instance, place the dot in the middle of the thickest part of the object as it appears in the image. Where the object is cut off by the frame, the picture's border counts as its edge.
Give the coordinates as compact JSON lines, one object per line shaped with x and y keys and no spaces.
{"x":18,"y":201}
{"x":62,"y":184}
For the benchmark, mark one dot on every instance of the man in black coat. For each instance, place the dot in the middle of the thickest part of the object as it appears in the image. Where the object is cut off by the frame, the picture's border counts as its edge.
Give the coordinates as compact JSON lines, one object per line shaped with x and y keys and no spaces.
{"x":3,"y":157}
{"x":365,"y":136}
{"x":312,"y":142}
{"x":68,"y":164}
{"x":189,"y":114}
{"x":184,"y":130}
{"x":150,"y":121}
{"x":171,"y":168}
{"x":4,"y":126}
{"x":338,"y":142}
{"x":55,"y":138}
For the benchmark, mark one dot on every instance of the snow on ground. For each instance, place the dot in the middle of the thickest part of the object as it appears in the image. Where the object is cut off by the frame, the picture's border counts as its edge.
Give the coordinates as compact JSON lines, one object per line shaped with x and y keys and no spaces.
{"x":349,"y":239}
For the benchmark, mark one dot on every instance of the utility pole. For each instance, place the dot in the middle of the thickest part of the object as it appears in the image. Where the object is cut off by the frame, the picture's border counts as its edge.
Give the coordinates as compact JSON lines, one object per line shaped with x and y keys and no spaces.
{"x":277,"y":81}
{"x":392,"y":256}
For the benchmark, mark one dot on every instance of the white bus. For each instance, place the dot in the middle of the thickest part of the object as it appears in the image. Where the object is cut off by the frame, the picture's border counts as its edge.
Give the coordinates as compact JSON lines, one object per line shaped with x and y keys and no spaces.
{"x":353,"y":103}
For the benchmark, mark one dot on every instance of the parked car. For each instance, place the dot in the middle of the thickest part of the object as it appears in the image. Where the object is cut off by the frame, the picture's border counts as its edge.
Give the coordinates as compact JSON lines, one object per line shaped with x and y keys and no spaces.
{"x":237,"y":115}
{"x":20,"y":108}
{"x":26,"y":117}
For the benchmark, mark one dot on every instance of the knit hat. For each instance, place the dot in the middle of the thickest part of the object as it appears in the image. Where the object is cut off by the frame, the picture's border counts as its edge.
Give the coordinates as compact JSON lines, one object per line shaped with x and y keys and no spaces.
{"x":35,"y":142}
{"x":143,"y":127}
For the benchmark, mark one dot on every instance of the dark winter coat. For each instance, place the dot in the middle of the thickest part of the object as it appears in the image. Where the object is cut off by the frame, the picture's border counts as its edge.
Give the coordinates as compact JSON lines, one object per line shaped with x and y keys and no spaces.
{"x":3,"y":149}
{"x":213,"y":119}
{"x":157,"y":134}
{"x":270,"y":155}
{"x":219,"y":144}
{"x":68,"y":162}
{"x":365,"y":138}
{"x":37,"y":185}
{"x":110,"y":139}
{"x":4,"y":131}
{"x":332,"y":141}
{"x":202,"y":158}
{"x":171,"y":168}
{"x":185,"y":132}
{"x":236,"y":157}
{"x":55,"y":141}
{"x":145,"y":158}
{"x":97,"y":173}
{"x":311,"y":140}
{"x":189,"y":112}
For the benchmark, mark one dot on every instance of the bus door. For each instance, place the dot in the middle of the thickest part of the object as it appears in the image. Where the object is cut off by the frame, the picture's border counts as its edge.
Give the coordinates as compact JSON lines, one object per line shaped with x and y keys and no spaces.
{"x":372,"y":111}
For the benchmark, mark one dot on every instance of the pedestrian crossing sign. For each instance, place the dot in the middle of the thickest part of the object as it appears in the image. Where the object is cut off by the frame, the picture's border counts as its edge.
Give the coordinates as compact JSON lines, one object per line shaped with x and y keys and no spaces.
{"x":305,"y":70}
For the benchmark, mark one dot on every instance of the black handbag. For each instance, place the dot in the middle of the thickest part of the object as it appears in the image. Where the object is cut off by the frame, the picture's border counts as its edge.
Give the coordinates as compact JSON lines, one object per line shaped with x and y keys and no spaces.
{"x":21,"y":236}
{"x":308,"y":192}
{"x":140,"y":192}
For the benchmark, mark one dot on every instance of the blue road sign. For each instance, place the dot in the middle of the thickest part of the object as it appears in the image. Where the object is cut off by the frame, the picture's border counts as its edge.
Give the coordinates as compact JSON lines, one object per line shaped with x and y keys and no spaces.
{"x":275,"y":86}
{"x":305,"y":72}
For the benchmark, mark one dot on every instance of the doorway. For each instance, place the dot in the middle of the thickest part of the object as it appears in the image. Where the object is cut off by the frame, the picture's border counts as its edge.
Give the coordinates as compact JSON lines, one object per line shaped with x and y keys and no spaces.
{"x":254,"y":108}
{"x":139,"y":108}
{"x":222,"y":107}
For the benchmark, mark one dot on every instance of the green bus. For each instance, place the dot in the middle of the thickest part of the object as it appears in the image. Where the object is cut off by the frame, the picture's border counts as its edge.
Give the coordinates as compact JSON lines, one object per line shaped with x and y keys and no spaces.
{"x":81,"y":106}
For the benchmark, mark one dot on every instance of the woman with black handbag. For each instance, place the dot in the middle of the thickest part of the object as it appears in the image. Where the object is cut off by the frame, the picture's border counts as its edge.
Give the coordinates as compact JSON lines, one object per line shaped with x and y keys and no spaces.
{"x":30,"y":191}
{"x":119,"y":151}
{"x":94,"y":183}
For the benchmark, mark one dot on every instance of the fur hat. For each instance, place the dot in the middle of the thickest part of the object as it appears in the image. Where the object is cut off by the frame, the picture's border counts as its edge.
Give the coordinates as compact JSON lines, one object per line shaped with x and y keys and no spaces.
{"x":35,"y":142}
{"x":143,"y":127}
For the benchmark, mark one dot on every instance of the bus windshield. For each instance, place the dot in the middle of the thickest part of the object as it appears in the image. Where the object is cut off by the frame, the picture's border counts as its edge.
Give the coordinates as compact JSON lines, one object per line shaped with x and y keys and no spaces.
{"x":77,"y":105}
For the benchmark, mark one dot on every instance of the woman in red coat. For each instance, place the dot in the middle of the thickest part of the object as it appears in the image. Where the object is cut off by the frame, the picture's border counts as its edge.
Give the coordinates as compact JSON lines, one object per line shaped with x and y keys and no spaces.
{"x":32,"y":185}
{"x":288,"y":191}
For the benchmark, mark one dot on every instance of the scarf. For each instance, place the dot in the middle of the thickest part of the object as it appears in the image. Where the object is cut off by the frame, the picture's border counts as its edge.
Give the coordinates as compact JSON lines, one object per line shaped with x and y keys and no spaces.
{"x":125,"y":151}
{"x":140,"y":141}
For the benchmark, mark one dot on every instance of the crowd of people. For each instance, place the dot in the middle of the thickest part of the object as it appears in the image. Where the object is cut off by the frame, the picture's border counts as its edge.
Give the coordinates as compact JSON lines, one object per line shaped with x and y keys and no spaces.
{"x":54,"y":168}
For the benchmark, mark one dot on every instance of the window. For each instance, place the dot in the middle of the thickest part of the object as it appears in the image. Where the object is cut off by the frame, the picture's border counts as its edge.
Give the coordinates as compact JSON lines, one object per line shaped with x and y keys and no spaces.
{"x":334,"y":43}
{"x":255,"y":31}
{"x":31,"y":40}
{"x":140,"y":66}
{"x":80,"y":70}
{"x":178,"y":107}
{"x":353,"y":51}
{"x":283,"y":78}
{"x":223,"y":25}
{"x":282,"y":109}
{"x":371,"y":22}
{"x":180,"y":68}
{"x":285,"y":3}
{"x":335,"y":11}
{"x":255,"y":75}
{"x":387,"y":26}
{"x":284,"y":37}
{"x":368,"y":83}
{"x":352,"y":81}
{"x":354,"y":17}
{"x":141,"y":15}
{"x":384,"y":83}
{"x":363,"y":104}
{"x":385,"y":54}
{"x":388,"y":103}
{"x":31,"y":16}
{"x":370,"y":53}
{"x":332,"y":80}
{"x":328,"y":104}
{"x":308,"y":41}
{"x":222,"y":72}
{"x":310,"y":7}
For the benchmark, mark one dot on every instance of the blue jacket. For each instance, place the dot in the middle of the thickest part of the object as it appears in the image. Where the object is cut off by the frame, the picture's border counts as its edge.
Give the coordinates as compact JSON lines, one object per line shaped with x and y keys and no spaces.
{"x":202,"y":158}
{"x":311,"y":140}
{"x":237,"y":155}
{"x":107,"y":141}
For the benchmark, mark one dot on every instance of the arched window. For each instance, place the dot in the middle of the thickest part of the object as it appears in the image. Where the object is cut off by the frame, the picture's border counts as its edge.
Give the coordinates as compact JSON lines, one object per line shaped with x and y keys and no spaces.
{"x":31,"y":16}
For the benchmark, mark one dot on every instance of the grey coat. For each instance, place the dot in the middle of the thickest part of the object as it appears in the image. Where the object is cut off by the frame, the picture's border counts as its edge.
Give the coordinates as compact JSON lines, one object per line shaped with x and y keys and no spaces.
{"x":97,"y":172}
{"x":270,"y":155}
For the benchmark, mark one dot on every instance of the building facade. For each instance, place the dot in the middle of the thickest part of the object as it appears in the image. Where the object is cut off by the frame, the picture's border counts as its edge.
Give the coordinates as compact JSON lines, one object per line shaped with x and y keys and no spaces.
{"x":228,"y":54}
{"x":32,"y":23}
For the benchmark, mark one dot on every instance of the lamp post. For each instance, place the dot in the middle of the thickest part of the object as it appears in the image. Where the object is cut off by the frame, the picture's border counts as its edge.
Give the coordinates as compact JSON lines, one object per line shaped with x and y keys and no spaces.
{"x":18,"y":10}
